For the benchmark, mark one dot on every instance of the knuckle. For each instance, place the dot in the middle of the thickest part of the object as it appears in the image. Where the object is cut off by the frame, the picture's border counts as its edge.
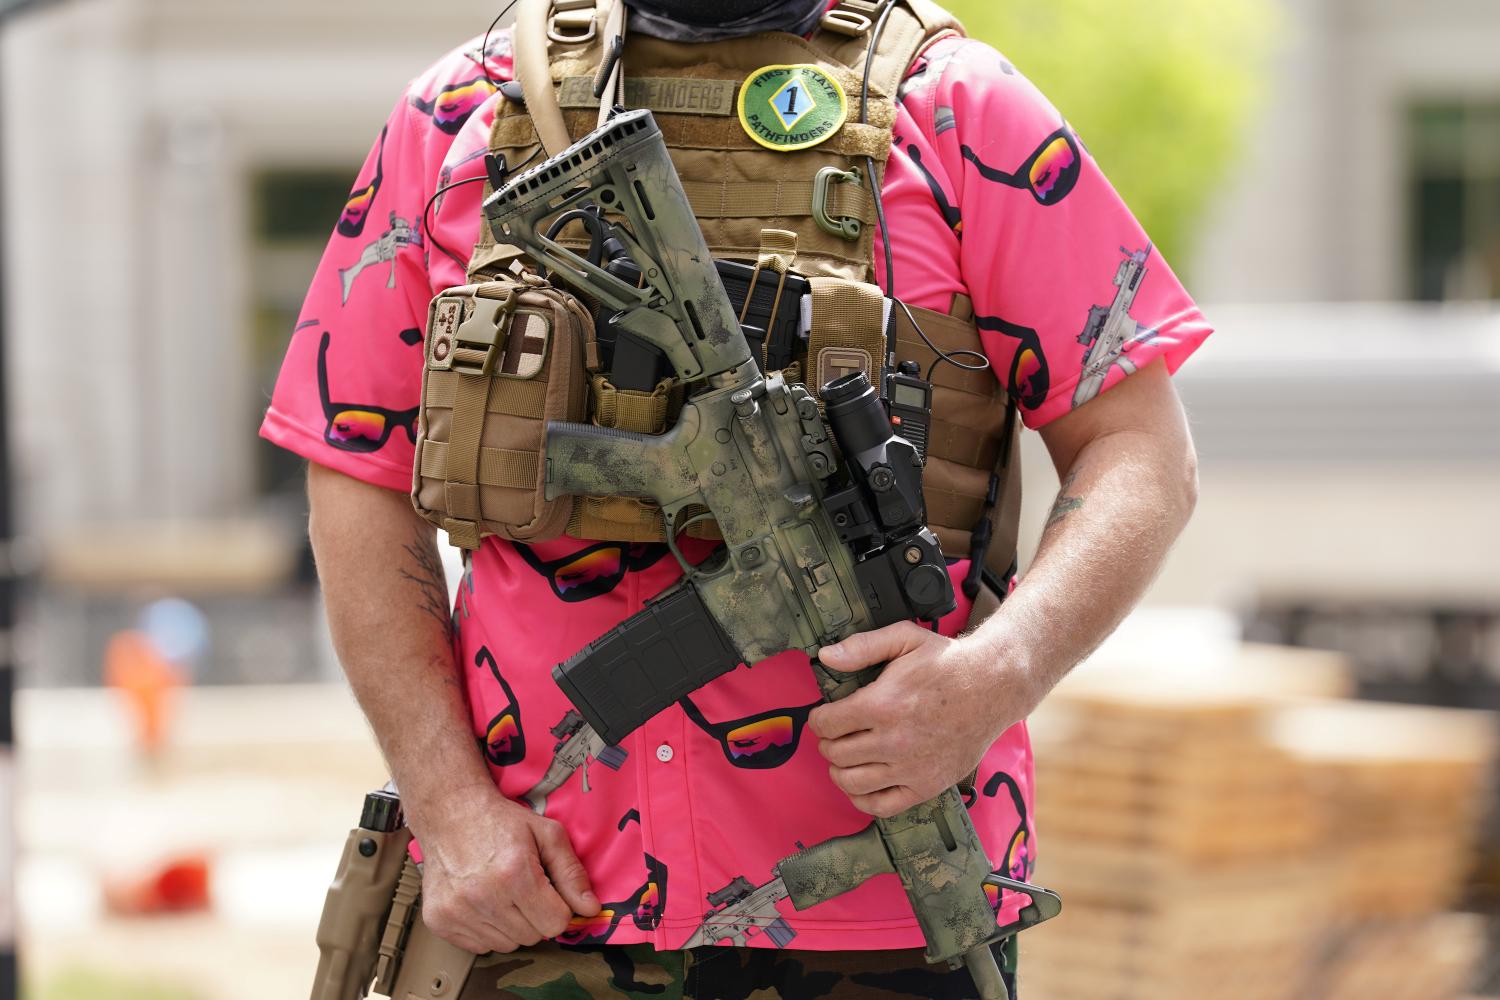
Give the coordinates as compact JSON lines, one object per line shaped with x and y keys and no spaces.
{"x":512,"y":869}
{"x":441,"y":917}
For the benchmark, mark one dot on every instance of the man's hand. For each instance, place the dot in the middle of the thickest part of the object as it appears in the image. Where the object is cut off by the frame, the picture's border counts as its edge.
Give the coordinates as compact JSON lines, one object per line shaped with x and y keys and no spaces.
{"x":497,"y":877}
{"x":924,"y":723}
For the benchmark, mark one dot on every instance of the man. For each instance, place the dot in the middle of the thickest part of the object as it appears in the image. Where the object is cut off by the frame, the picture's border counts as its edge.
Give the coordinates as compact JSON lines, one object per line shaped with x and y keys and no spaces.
{"x":988,"y":193}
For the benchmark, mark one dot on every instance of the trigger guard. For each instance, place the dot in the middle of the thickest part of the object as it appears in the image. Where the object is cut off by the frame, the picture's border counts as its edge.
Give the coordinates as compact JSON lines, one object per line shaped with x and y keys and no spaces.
{"x":672,"y":530}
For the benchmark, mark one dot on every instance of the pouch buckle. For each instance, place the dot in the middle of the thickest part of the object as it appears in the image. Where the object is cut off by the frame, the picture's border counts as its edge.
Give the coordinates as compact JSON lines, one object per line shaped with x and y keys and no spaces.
{"x":572,"y":22}
{"x":850,"y":17}
{"x":845,"y":227}
{"x":482,"y":334}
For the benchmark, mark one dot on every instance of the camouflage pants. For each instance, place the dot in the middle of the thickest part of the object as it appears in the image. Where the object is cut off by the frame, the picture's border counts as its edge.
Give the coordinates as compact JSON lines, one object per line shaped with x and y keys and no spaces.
{"x":639,"y":972}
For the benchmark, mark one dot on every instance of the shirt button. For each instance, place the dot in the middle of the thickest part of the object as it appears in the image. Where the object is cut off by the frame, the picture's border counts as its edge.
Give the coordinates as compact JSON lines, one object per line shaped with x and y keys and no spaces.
{"x":664,"y":754}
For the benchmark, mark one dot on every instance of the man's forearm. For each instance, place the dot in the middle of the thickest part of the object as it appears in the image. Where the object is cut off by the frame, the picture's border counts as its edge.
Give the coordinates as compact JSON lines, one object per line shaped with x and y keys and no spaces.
{"x":387,"y":604}
{"x":1122,"y":503}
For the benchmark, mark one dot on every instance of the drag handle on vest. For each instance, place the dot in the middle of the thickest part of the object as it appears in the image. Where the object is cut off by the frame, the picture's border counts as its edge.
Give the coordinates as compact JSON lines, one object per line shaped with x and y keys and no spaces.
{"x":359,"y":901}
{"x":623,"y":169}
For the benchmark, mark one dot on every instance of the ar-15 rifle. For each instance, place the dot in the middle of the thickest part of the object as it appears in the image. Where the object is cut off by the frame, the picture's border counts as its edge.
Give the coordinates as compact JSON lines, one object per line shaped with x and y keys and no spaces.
{"x":740,"y":911}
{"x":809,"y":557}
{"x":577,"y":745}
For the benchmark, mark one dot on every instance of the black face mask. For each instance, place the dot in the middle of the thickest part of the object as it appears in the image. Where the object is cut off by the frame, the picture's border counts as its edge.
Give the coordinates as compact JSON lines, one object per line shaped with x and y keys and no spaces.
{"x":712,"y":20}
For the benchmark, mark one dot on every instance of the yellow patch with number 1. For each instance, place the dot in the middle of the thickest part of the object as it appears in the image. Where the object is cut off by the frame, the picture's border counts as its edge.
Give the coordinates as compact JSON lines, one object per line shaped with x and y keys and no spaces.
{"x":792,"y":107}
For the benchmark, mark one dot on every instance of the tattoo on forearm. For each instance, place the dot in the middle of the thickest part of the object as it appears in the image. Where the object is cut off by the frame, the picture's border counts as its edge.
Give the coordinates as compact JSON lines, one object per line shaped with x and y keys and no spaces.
{"x":430,"y":580}
{"x":1065,"y":504}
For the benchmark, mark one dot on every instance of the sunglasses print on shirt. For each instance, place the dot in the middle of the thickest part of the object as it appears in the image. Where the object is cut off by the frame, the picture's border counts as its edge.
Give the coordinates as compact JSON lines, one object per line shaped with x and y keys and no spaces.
{"x":1030,"y":376}
{"x":644,"y":907}
{"x":358,"y":427}
{"x":455,"y":103}
{"x":357,"y":208}
{"x":951,"y":214}
{"x":593,"y":571}
{"x":504,"y":742}
{"x":1049,"y":173}
{"x":1020,"y":860}
{"x":756,"y":742}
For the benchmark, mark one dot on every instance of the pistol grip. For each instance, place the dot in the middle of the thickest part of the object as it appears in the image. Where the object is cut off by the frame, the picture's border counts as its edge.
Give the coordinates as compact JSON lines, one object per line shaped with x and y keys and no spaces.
{"x":584,"y":460}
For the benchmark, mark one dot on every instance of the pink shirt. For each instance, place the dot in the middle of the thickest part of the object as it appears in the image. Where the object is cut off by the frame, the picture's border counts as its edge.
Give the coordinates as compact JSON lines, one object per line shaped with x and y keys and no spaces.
{"x":989,"y":193}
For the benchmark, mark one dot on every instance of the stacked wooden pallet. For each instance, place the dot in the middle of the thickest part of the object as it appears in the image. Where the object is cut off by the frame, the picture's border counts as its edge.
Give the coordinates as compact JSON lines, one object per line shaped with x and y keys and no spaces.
{"x":1204,"y":845}
{"x":1423,"y":958}
{"x":1179,"y":841}
{"x":1404,"y":791}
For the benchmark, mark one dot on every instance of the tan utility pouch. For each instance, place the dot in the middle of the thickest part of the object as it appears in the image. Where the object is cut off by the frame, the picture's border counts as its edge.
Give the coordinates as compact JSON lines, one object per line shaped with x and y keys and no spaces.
{"x":503,"y":358}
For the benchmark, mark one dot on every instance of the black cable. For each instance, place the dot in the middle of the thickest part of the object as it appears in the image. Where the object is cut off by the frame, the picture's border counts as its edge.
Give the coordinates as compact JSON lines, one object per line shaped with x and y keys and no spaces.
{"x":427,"y":216}
{"x":864,"y":119}
{"x":885,"y":233}
{"x":484,"y":46}
{"x":427,"y":211}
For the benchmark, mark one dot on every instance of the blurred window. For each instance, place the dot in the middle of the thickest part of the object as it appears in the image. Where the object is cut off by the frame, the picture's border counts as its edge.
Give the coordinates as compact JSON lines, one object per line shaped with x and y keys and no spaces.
{"x":293,"y":213}
{"x":1455,"y":200}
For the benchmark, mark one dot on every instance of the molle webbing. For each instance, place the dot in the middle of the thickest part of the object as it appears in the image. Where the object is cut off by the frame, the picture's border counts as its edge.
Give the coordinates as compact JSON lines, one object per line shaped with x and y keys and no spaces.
{"x":735,"y":186}
{"x":967,"y":442}
{"x":848,"y":331}
{"x":738,"y":189}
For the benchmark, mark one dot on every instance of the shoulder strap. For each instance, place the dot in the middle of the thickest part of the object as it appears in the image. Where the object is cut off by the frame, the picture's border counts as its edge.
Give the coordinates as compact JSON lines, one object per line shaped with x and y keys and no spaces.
{"x":912,"y":25}
{"x":535,"y":75}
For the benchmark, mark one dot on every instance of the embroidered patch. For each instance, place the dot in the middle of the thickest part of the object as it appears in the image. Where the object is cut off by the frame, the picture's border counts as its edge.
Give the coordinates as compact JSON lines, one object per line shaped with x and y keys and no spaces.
{"x":663,"y":95}
{"x":792,"y":107}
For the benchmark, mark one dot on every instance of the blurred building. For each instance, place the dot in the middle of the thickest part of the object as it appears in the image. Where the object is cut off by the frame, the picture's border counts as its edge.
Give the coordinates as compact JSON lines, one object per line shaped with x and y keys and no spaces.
{"x":1374,"y":174}
{"x":174,"y":169}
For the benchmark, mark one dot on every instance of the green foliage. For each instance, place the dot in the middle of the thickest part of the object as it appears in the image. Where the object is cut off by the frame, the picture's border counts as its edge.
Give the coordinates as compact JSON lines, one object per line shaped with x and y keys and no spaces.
{"x":1159,"y":91}
{"x":90,"y":984}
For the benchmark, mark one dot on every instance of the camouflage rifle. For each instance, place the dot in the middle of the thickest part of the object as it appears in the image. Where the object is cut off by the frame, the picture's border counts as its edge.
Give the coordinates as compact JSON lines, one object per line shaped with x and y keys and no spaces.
{"x":810,"y":556}
{"x":577,"y":745}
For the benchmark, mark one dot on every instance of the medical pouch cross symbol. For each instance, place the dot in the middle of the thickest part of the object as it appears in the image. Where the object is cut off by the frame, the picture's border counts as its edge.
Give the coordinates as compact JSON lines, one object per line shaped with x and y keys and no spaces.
{"x":792,"y":102}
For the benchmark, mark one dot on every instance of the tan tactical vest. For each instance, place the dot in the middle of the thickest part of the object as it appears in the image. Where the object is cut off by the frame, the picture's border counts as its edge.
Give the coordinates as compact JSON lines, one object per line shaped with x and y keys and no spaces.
{"x":742,"y":193}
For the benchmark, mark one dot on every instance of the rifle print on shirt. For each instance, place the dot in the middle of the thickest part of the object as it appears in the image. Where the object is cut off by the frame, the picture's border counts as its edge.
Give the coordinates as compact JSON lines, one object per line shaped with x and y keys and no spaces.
{"x":455,"y":103}
{"x":382,"y":250}
{"x":357,"y":208}
{"x":1111,"y":331}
